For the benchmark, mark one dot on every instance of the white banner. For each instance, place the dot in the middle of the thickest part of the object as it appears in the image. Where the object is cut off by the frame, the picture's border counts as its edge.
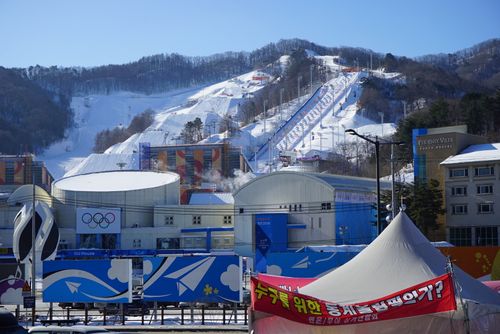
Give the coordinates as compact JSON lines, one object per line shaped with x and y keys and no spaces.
{"x":97,"y":220}
{"x":353,"y":197}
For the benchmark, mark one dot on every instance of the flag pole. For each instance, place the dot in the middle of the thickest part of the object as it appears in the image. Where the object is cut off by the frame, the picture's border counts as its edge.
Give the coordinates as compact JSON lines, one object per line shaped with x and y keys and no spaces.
{"x":458,"y":289}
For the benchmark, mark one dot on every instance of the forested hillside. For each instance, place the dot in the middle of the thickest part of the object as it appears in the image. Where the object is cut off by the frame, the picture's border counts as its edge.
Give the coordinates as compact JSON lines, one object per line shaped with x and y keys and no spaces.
{"x":30,"y":117}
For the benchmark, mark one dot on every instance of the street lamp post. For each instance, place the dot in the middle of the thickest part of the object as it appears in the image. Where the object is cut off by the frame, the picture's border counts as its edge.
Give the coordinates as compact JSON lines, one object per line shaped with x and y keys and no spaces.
{"x":377,"y":168}
{"x":377,"y":144}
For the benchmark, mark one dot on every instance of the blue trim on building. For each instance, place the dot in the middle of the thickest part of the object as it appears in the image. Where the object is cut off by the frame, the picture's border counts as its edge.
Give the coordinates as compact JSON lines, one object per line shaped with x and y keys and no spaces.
{"x":419,"y":170}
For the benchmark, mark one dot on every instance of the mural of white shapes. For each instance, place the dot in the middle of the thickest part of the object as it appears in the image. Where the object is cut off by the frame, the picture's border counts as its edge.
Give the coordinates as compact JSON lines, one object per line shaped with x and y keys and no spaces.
{"x":190,"y":276}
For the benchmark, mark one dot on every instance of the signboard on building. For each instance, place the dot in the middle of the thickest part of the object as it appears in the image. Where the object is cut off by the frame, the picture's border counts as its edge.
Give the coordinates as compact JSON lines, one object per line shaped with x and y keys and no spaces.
{"x":271,"y":235}
{"x":193,"y":278}
{"x":88,"y":281}
{"x":98,"y":220}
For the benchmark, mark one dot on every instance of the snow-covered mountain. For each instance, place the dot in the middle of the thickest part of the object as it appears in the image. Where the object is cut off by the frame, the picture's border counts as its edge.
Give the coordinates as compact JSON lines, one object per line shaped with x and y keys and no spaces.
{"x":311,"y":124}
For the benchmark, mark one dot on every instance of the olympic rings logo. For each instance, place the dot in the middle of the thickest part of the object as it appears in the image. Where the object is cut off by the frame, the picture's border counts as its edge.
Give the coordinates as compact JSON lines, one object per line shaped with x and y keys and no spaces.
{"x":98,"y":219}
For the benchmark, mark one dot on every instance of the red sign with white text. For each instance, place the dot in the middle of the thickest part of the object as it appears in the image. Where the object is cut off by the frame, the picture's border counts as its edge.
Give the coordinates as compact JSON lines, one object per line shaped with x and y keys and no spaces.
{"x":284,"y":282}
{"x":436,"y":295}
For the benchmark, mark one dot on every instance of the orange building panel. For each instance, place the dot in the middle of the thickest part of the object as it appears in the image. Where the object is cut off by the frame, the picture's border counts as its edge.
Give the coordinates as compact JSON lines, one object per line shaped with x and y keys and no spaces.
{"x":162,"y":161}
{"x":198,"y":166}
{"x":476,"y":261}
{"x":180,"y":163}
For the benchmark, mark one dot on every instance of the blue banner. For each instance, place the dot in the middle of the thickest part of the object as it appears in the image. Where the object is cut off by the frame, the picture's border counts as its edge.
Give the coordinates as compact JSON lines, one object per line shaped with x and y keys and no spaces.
{"x":271,"y":235}
{"x":193,"y":278}
{"x":106,"y":281}
{"x":306,"y":264}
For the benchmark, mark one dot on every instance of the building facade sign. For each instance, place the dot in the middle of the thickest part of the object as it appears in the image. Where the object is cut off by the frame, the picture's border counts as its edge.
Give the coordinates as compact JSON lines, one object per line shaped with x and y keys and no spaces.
{"x":98,"y":220}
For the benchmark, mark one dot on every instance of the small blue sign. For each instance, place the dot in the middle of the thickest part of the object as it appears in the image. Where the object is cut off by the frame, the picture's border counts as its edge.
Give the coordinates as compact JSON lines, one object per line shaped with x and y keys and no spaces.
{"x":193,"y":278}
{"x":107,"y":281}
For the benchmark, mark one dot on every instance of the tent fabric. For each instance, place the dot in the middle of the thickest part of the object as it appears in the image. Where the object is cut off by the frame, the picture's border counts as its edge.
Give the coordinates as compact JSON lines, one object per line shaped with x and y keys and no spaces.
{"x":400,"y":257}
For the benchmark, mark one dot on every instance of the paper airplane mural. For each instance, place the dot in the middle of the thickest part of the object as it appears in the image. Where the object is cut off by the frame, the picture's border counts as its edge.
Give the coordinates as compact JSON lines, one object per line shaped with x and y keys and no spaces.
{"x":193,"y":278}
{"x":305,"y":264}
{"x":88,"y":281}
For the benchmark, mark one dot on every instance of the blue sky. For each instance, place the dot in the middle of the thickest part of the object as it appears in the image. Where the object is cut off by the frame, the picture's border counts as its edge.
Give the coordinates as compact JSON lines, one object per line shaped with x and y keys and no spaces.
{"x":98,"y":32}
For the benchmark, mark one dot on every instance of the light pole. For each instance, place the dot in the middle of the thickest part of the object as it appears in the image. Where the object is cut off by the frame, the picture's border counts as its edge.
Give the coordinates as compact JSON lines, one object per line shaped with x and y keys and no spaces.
{"x":377,"y":170}
{"x":265,"y":115}
{"x":299,"y":78}
{"x":33,"y":246}
{"x":311,"y":88}
{"x":381,"y":114}
{"x":281,"y":102}
{"x":377,"y":144}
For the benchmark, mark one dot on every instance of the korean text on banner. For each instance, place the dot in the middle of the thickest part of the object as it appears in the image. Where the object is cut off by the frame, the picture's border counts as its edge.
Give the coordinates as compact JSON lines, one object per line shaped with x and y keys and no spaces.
{"x":436,"y":295}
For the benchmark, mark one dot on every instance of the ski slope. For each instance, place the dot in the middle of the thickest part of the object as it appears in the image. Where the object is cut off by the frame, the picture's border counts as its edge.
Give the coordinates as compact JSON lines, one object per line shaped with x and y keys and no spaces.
{"x":312,"y":124}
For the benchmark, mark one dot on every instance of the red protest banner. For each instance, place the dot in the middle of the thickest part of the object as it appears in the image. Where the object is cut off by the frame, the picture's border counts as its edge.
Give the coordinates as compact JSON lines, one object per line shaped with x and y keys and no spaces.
{"x":284,"y":282}
{"x":436,"y":295}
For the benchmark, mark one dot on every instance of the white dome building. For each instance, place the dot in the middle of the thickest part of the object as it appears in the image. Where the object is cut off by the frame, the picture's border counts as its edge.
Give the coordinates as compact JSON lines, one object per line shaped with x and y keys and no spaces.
{"x":105,"y":210}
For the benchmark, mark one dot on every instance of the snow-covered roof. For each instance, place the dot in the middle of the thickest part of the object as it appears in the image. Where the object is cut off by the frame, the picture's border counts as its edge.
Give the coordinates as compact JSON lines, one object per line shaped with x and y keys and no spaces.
{"x":115,"y":181}
{"x":475,"y":153}
{"x":104,"y":162}
{"x":211,"y":198}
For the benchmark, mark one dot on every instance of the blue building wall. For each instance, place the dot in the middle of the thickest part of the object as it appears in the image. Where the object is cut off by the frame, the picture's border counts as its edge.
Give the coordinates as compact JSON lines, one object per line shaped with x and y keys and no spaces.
{"x":355,"y":223}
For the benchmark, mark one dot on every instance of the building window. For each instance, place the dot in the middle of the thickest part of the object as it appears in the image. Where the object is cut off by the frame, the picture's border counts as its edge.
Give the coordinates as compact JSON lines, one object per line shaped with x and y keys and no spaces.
{"x":196,"y":220}
{"x":487,"y":236}
{"x":242,"y":210}
{"x":484,"y":171}
{"x":136,"y":243}
{"x":485,"y":208}
{"x":167,"y":243}
{"x":169,"y":220}
{"x":326,"y":206}
{"x":461,"y":236}
{"x":484,"y":189}
{"x":459,"y":209}
{"x":227,"y":220}
{"x":459,"y":191}
{"x":319,"y":222}
{"x":459,"y":172}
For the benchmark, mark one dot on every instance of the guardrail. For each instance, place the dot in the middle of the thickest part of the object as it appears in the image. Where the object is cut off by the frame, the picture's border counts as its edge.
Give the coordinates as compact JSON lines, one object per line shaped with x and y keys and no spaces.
{"x":202,"y":315}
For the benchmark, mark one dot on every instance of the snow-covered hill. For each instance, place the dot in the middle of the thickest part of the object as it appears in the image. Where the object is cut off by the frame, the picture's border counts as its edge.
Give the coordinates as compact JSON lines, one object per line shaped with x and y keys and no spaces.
{"x":311,"y":124}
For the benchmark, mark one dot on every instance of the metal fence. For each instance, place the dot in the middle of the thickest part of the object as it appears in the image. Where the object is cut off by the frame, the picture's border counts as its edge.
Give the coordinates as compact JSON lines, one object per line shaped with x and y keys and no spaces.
{"x":198,"y":315}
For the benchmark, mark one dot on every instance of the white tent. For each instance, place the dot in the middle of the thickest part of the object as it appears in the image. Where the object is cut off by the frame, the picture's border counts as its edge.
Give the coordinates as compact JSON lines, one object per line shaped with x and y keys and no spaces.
{"x":399,"y":258}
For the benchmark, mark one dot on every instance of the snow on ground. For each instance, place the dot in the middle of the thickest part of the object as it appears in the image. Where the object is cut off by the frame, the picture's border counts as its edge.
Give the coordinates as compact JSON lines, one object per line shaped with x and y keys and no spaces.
{"x":99,"y":112}
{"x":312,"y":124}
{"x":95,"y":113}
